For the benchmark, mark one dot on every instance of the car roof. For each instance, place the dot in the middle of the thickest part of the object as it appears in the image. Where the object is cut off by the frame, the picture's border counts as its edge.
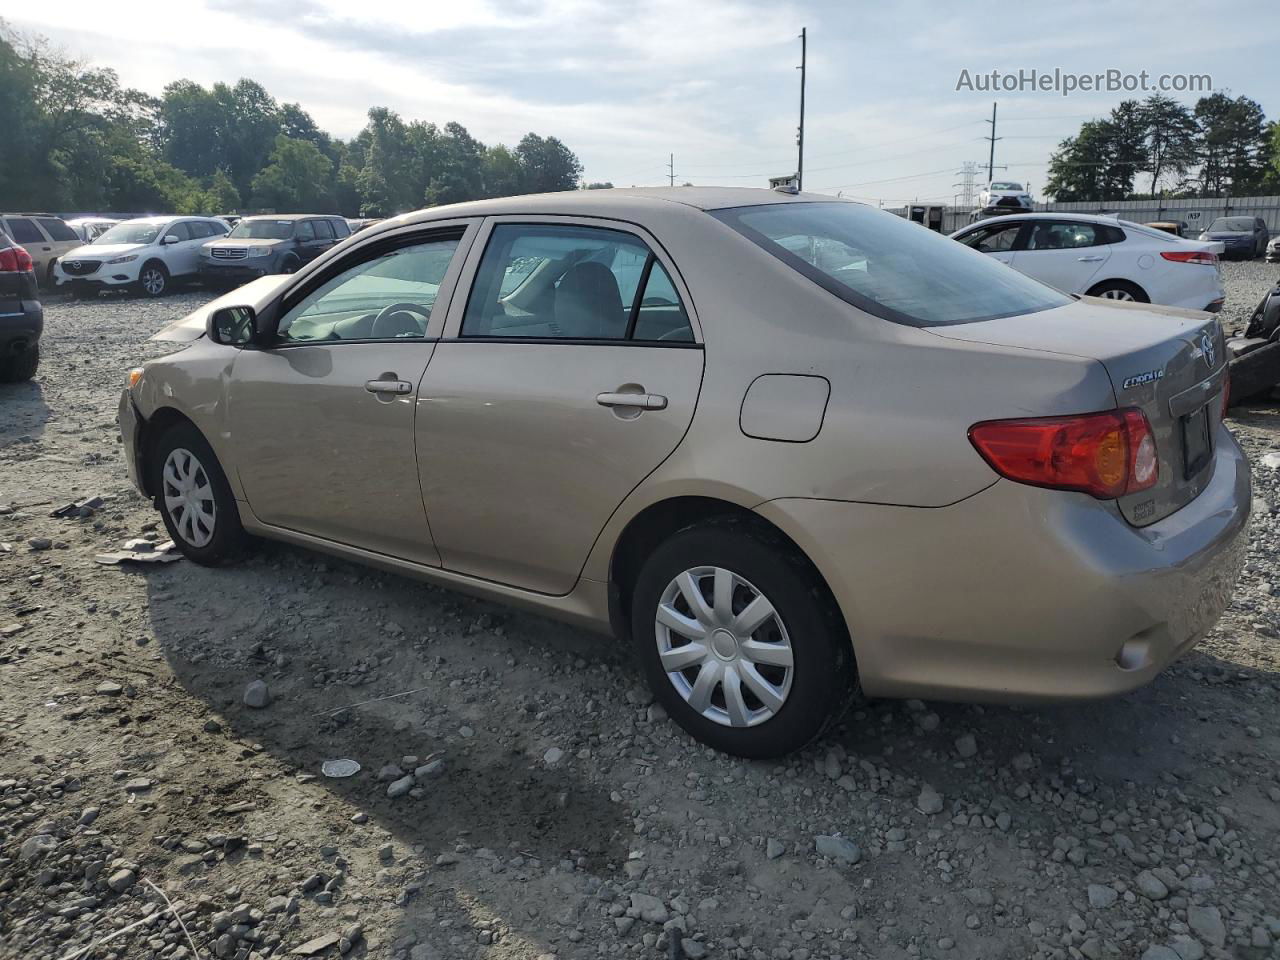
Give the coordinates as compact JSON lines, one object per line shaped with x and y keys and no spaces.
{"x":294,"y":216}
{"x":616,"y":201}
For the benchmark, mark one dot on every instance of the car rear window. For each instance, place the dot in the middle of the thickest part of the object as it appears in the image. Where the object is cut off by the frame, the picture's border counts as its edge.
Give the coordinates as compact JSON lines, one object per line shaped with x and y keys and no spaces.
{"x":889,"y":267}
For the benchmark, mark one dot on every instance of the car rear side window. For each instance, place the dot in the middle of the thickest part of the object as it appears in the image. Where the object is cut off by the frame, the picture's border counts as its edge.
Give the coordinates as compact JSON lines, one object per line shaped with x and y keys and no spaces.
{"x":57,"y":229}
{"x":546,"y":282}
{"x":200,"y":229}
{"x":1064,"y":235}
{"x":23,"y":230}
{"x":340,"y":228}
{"x":888,"y":267}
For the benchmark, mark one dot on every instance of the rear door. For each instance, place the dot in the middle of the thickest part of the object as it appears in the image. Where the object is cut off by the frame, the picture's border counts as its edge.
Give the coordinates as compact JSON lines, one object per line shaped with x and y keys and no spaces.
{"x":568,"y":374}
{"x":324,"y":237}
{"x":1064,"y":254}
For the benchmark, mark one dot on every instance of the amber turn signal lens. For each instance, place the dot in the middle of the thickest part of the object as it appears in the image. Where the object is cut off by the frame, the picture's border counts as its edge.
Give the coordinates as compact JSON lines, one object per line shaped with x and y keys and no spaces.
{"x":134,"y":376}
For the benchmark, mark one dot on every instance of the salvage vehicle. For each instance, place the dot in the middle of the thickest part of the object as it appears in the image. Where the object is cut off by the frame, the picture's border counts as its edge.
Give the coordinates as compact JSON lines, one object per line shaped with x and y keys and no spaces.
{"x":1243,"y":238}
{"x":44,"y":236}
{"x":21,"y":314}
{"x":1104,"y":257}
{"x":257,"y":246}
{"x":1255,"y":351}
{"x":1004,"y":196}
{"x":785,"y":444}
{"x":89,"y":229}
{"x":1273,"y":250}
{"x":147,"y":255}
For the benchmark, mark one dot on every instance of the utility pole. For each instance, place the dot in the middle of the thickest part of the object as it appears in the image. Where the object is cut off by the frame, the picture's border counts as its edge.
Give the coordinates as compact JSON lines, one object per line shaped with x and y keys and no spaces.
{"x":991,"y":160}
{"x":671,"y":169}
{"x":804,"y":43}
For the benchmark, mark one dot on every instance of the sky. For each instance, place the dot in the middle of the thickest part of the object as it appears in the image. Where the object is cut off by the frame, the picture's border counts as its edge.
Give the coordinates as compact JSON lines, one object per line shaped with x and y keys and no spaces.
{"x":712,"y":82}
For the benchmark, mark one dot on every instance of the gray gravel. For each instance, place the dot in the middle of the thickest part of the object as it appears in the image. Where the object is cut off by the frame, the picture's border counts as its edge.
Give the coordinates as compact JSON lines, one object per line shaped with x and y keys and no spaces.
{"x":531,"y":801}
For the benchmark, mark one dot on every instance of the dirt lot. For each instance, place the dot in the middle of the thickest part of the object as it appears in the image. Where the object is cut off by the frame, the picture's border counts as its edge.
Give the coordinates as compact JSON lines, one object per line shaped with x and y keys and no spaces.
{"x":568,"y":817}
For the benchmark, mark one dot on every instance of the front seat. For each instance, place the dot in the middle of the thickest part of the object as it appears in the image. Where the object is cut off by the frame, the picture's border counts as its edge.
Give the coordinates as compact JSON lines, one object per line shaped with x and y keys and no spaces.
{"x":589,"y":304}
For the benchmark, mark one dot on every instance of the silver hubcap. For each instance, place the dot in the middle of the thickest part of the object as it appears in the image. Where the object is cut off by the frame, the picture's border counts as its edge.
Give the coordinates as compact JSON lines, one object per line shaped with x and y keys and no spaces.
{"x":1117,"y":295}
{"x":188,"y":496}
{"x":153,"y":281}
{"x":724,"y":647}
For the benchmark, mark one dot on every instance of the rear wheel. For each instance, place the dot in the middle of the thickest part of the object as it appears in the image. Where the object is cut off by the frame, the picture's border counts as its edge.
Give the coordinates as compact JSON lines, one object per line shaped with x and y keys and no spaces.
{"x":195,"y":500}
{"x":740,"y":641}
{"x":153,"y":280}
{"x":20,"y":366}
{"x":1119,"y":290}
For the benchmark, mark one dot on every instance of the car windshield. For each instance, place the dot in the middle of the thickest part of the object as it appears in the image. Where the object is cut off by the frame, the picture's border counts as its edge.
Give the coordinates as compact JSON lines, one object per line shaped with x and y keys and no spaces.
{"x":1006,"y":186}
{"x":262,"y":230}
{"x":131,"y":233}
{"x":889,"y":267}
{"x":1232,"y":225}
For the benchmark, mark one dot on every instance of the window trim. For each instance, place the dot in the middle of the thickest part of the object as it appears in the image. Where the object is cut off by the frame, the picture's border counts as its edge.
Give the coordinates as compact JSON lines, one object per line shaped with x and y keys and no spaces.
{"x":453,"y":323}
{"x":375,"y":246}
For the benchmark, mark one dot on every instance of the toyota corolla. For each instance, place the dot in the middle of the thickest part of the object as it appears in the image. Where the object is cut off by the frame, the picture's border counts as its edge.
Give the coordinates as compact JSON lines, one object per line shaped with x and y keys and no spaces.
{"x":785,"y":445}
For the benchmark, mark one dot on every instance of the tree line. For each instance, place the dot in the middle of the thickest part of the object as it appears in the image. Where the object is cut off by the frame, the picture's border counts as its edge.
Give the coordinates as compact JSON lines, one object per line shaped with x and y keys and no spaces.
{"x":74,"y":138}
{"x":1223,"y":146}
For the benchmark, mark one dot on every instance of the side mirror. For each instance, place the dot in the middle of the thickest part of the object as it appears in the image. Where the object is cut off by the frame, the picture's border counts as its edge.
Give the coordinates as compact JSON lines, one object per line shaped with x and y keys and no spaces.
{"x":232,"y":326}
{"x":169,"y":238}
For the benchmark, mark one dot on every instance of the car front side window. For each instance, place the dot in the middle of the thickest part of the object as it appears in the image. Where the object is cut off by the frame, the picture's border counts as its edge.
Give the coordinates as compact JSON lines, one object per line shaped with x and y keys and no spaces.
{"x":551,"y":282}
{"x":999,"y":239}
{"x":179,"y":231}
{"x":385,"y":296}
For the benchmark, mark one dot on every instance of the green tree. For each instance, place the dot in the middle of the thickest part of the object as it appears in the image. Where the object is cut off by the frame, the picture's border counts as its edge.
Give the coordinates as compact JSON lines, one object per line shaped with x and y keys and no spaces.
{"x":502,"y":173}
{"x":548,"y":164}
{"x":457,"y":175}
{"x":296,"y":180}
{"x":223,"y":195}
{"x":598,"y":185}
{"x":1171,"y":138}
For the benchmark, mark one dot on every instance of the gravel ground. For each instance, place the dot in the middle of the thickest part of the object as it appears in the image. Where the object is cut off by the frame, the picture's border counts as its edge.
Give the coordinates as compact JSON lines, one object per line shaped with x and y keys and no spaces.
{"x":527,"y":799}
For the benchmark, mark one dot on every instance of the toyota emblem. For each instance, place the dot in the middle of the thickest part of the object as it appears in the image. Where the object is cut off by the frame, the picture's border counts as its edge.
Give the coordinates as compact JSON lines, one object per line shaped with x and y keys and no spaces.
{"x":1208,"y":349}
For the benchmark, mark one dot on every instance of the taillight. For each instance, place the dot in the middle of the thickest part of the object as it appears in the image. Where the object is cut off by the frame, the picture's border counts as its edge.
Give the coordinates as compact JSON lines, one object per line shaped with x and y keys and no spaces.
{"x":1226,"y":389}
{"x":1105,"y":455}
{"x":1191,"y":256}
{"x":15,"y":259}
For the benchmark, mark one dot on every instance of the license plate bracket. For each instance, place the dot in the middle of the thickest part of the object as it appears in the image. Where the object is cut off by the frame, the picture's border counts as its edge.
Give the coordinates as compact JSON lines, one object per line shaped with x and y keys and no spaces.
{"x":1197,"y":441}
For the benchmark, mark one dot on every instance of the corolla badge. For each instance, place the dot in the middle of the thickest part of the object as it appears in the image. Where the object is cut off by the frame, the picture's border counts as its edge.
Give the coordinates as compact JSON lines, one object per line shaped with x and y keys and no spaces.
{"x":1208,"y":349}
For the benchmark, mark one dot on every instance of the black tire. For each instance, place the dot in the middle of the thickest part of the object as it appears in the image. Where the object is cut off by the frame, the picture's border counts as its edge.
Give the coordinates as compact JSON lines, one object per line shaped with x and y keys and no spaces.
{"x":822,"y":673}
{"x":290,"y":264}
{"x":20,"y":366}
{"x":1112,"y":289}
{"x":153,"y":279}
{"x":228,"y":538}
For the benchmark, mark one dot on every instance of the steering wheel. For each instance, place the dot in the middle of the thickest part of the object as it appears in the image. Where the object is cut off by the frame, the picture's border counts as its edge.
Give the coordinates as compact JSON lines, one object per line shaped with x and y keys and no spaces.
{"x":405,"y":325}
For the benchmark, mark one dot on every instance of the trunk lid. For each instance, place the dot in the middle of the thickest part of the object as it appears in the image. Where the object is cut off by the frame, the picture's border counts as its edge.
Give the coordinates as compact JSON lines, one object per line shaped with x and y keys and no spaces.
{"x":1167,"y":362}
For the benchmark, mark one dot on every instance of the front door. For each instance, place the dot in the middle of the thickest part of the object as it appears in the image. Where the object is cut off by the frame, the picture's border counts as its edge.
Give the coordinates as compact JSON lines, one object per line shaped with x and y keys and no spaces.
{"x":570,"y":375}
{"x":997,"y":240}
{"x":323,"y":421}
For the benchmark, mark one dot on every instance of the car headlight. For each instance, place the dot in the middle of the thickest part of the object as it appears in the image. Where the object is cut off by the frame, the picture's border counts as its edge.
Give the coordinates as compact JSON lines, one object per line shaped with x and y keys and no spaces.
{"x":125,"y":259}
{"x":261,"y":251}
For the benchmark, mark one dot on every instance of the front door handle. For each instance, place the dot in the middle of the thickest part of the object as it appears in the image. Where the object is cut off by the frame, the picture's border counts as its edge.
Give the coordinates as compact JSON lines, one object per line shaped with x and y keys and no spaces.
{"x":398,"y":387}
{"x":1090,"y":259}
{"x":640,"y":401}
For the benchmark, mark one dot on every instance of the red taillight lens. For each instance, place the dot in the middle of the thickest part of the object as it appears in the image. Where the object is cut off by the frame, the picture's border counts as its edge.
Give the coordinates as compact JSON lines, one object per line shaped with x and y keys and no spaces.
{"x":1191,"y":256}
{"x":1226,"y":389}
{"x":1105,"y":455}
{"x":15,"y":259}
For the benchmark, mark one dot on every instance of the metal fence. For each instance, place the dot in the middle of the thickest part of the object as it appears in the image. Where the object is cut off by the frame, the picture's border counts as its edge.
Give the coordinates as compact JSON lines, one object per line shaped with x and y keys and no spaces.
{"x":1197,"y":214}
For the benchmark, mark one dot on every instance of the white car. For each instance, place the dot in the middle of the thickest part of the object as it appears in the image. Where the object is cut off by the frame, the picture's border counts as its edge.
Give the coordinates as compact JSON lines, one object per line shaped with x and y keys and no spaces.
{"x":147,"y":254}
{"x":1004,"y":195}
{"x":90,"y":229}
{"x":1104,"y":257}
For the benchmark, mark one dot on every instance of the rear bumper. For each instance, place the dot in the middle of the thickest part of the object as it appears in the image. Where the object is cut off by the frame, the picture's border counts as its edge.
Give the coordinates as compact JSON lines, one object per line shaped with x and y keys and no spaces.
{"x":1022,"y":594}
{"x":21,"y":323}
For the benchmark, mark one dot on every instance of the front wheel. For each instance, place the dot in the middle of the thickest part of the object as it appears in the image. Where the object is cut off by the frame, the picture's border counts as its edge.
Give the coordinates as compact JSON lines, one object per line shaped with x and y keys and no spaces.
{"x":153,"y":281}
{"x":195,"y":500}
{"x":20,"y":366}
{"x":740,"y":641}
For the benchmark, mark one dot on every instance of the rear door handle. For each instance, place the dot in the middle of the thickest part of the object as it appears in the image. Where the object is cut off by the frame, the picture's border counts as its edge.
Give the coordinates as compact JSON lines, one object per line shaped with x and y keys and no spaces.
{"x":642,"y":401}
{"x":398,"y":387}
{"x":1090,"y":259}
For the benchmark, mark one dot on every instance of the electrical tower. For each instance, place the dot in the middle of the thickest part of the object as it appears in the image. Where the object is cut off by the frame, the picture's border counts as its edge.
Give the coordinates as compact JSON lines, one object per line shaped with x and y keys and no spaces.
{"x":967,"y":173}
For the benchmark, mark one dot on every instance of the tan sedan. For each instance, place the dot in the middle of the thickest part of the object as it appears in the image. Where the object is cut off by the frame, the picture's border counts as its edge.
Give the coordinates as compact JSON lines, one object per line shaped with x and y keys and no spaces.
{"x":784,"y":444}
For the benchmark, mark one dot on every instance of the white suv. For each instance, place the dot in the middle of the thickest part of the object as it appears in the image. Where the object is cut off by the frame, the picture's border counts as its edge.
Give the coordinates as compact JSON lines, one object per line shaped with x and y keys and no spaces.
{"x":148,"y":253}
